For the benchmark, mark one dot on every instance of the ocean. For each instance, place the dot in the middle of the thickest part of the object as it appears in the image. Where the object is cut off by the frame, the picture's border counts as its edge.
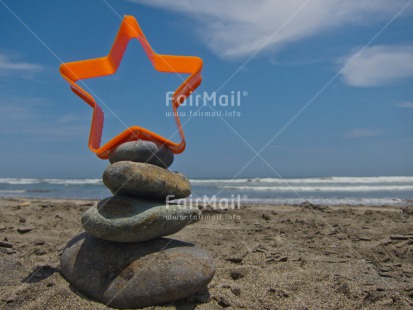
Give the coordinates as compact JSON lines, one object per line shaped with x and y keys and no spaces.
{"x":395,"y":190}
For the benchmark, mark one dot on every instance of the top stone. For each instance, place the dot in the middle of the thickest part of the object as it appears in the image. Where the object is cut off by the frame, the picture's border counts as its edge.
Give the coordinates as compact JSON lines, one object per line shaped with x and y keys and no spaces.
{"x":143,"y":152}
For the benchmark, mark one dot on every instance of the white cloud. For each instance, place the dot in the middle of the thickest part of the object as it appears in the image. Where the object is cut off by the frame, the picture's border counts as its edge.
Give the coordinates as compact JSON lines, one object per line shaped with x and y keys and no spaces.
{"x":239,"y":28}
{"x":9,"y":65}
{"x":404,"y":105}
{"x":14,"y":108}
{"x":378,"y":65}
{"x":36,"y":118}
{"x":362,"y":133}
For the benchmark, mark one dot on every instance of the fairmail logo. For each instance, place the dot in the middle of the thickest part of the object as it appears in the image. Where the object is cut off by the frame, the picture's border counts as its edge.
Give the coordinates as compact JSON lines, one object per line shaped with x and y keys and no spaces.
{"x":231,"y":99}
{"x":232,"y":203}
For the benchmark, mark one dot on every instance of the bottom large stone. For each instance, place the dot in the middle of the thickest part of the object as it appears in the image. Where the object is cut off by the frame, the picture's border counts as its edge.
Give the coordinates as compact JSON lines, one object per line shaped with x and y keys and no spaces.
{"x":132,"y":275}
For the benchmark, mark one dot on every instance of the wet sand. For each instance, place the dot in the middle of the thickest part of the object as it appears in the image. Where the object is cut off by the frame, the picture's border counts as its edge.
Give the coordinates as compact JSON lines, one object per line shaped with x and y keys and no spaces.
{"x":267,"y":257}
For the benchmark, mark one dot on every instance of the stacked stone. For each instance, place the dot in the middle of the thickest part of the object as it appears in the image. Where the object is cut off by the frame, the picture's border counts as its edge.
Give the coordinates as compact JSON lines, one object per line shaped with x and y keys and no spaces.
{"x":122,"y":260}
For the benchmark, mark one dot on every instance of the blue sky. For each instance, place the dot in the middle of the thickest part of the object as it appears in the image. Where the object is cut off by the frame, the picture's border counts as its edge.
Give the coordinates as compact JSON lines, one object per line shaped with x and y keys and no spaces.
{"x":328,"y":85}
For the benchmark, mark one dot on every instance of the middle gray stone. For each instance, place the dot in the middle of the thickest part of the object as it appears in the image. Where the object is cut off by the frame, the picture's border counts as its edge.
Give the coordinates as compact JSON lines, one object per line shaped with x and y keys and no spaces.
{"x":128,"y":219}
{"x":145,"y":180}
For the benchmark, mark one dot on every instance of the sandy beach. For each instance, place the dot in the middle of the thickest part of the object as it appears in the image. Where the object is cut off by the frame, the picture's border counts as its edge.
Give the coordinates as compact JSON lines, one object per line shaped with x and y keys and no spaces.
{"x":267,"y":257}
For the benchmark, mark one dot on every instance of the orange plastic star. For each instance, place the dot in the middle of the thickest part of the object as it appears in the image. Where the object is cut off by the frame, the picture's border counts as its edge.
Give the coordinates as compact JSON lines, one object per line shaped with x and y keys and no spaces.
{"x":79,"y":70}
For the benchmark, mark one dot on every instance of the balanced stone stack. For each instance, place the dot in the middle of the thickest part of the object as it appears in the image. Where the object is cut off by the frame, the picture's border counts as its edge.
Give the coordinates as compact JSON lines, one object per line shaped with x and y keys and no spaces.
{"x":122,"y":260}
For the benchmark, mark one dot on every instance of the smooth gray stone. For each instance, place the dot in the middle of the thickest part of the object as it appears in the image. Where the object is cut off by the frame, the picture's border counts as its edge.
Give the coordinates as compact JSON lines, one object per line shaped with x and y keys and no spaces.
{"x":143,"y":152}
{"x":132,"y":275}
{"x":129,"y":219}
{"x":146,"y":181}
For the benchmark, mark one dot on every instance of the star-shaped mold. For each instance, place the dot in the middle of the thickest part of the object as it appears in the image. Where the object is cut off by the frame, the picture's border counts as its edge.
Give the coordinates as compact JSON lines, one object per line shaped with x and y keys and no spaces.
{"x":91,"y":68}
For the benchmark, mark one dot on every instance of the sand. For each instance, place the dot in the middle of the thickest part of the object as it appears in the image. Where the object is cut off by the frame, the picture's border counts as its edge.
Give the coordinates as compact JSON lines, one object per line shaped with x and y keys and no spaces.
{"x":267,"y":257}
